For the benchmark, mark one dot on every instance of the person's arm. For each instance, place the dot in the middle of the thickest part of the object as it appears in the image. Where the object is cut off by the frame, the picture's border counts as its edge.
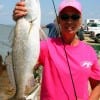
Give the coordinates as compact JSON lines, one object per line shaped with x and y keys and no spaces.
{"x":95,"y":85}
{"x":19,"y":11}
{"x":95,"y":94}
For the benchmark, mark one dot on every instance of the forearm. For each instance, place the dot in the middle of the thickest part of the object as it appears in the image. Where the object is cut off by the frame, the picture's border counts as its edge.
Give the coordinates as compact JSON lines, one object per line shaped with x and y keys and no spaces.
{"x":95,"y":94}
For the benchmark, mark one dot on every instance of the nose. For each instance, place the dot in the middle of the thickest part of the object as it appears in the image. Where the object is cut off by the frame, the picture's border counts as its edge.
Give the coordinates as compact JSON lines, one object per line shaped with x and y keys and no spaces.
{"x":69,"y":21}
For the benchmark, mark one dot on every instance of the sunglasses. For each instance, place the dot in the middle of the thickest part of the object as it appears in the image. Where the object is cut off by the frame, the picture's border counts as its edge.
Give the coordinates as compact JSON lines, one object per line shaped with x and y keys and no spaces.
{"x":67,"y":17}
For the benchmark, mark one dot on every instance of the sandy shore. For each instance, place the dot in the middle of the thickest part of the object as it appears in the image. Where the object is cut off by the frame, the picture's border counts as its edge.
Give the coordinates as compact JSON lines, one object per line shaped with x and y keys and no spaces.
{"x":6,"y":89}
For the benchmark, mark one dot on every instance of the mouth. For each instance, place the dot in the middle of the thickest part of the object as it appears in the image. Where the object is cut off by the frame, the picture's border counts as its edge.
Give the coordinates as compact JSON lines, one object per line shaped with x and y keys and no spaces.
{"x":69,"y":28}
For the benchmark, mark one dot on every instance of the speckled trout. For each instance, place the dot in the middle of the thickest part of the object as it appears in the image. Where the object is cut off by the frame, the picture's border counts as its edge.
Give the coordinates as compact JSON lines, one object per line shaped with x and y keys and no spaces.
{"x":26,"y":48}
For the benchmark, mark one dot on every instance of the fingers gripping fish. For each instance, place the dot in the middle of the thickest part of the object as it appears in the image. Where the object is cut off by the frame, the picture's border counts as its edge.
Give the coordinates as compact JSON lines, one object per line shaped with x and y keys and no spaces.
{"x":26,"y":47}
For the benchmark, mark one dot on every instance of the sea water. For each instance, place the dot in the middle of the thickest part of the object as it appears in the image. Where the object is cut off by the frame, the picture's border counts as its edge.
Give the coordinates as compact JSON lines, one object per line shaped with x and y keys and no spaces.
{"x":5,"y":46}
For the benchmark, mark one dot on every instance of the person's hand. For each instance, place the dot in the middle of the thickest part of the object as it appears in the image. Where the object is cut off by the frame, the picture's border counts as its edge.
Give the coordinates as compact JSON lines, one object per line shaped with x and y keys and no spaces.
{"x":19,"y":11}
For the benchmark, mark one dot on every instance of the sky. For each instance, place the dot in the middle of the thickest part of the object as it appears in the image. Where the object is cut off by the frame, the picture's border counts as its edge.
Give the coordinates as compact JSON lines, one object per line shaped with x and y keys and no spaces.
{"x":91,"y":9}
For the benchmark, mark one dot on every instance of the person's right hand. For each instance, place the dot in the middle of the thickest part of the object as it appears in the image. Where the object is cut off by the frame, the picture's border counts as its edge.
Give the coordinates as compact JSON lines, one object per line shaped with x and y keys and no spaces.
{"x":19,"y":11}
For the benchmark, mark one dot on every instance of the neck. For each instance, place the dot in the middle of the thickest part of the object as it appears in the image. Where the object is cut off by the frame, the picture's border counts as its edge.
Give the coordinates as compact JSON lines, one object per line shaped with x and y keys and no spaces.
{"x":73,"y":42}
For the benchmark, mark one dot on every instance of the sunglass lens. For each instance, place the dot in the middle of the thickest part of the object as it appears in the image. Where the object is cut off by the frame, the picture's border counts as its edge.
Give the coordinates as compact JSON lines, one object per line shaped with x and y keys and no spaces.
{"x":64,"y":17}
{"x":75,"y":17}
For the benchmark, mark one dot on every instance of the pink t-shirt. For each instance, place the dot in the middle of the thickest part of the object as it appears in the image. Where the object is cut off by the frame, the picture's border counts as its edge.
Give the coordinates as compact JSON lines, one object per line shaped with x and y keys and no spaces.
{"x":56,"y":80}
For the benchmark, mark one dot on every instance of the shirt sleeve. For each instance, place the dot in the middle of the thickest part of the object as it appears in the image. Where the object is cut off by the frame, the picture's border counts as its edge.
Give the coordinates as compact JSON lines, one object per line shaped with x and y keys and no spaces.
{"x":43,"y":52}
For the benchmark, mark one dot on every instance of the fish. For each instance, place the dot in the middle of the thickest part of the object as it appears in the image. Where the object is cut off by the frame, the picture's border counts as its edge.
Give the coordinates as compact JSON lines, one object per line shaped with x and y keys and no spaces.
{"x":26,"y":49}
{"x":9,"y":68}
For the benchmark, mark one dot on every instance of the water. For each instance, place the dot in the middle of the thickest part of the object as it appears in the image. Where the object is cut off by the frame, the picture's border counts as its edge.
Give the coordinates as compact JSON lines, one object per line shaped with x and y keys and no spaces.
{"x":5,"y":31}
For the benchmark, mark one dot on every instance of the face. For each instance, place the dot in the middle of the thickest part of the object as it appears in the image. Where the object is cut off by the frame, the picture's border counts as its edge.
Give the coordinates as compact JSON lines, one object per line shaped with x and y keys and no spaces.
{"x":70,"y":21}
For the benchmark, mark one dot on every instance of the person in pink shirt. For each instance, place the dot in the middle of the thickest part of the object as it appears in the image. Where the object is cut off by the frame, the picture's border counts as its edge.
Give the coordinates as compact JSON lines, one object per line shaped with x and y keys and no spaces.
{"x":68,"y":63}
